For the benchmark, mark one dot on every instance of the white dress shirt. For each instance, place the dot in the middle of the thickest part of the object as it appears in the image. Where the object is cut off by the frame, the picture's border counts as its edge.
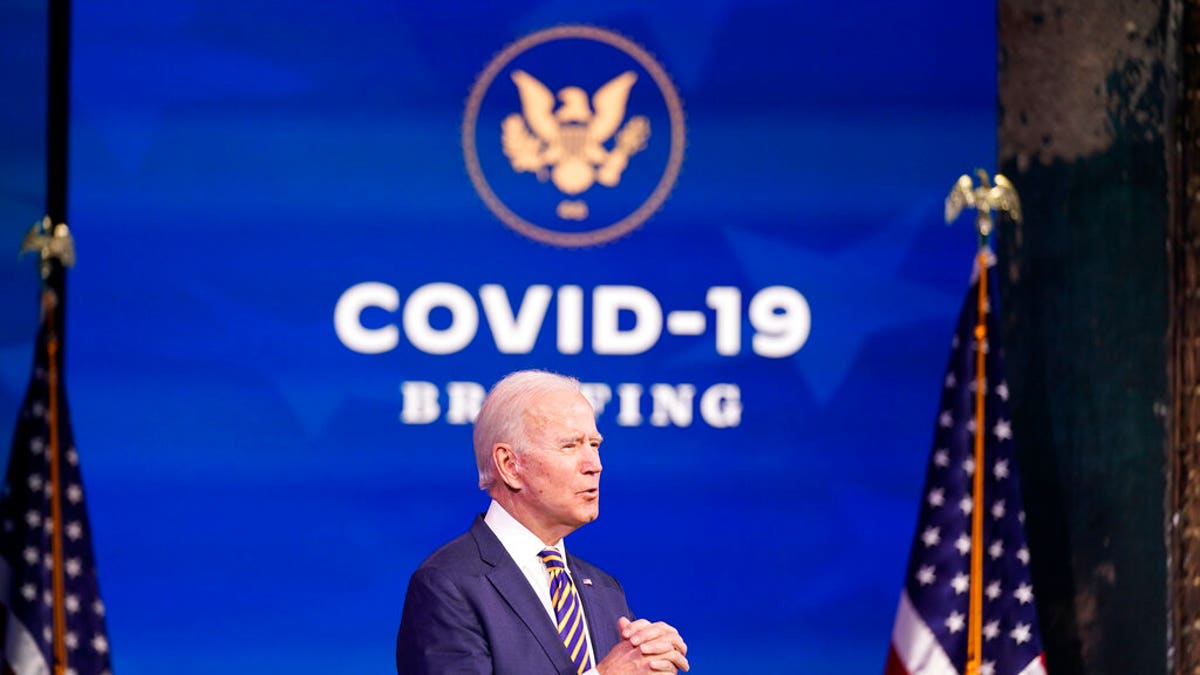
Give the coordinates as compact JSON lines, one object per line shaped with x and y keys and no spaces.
{"x":523,"y":547}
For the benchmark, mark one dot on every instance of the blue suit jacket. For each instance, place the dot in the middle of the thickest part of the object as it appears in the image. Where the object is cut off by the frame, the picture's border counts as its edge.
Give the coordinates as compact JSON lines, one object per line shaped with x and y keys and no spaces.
{"x":469,"y":609}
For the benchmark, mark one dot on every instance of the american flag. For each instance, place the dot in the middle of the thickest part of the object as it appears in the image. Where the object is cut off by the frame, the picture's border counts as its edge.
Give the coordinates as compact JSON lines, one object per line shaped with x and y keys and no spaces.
{"x":930,"y":632}
{"x":27,"y":559}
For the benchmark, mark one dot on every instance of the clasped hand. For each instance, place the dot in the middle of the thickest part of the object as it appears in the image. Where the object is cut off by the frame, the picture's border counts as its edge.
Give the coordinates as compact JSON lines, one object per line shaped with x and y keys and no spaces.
{"x":645,"y":647}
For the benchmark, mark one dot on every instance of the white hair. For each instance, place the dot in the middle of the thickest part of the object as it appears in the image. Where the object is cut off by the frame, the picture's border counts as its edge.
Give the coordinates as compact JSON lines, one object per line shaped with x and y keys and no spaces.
{"x":502,"y":417}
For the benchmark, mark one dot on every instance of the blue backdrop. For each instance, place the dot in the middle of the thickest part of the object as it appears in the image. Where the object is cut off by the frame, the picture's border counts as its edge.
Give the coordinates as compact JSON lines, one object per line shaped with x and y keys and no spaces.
{"x":306,"y":242}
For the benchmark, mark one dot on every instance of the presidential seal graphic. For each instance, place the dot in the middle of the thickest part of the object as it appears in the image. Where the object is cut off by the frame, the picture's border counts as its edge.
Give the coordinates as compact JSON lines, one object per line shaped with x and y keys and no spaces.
{"x":573,"y":136}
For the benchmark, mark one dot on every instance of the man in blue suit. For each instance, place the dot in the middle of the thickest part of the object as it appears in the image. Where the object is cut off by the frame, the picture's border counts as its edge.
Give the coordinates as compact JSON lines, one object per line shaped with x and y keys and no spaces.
{"x":505,"y":598}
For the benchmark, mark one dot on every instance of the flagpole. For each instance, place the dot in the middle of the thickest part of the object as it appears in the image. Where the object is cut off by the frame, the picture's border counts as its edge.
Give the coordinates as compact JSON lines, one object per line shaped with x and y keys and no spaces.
{"x":984,"y":199}
{"x":975,"y":607}
{"x":56,"y":534}
{"x":77,"y":634}
{"x":53,"y":268}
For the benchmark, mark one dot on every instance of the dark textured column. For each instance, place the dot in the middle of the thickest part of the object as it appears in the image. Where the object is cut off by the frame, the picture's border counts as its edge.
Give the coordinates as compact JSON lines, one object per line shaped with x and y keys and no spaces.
{"x":1085,"y":94}
{"x":1184,"y":455}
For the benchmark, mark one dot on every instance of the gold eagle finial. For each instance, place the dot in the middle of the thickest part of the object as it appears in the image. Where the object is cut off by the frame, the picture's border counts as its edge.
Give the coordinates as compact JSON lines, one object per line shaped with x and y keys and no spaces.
{"x":51,"y":242}
{"x":985,"y":199}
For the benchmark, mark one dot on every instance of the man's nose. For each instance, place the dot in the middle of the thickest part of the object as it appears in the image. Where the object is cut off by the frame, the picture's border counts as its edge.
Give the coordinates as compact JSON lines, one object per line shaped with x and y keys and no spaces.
{"x":591,"y":461}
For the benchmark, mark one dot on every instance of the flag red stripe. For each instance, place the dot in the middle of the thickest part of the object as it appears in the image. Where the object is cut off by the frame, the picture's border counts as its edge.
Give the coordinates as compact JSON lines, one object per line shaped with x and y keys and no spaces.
{"x":894,"y":665}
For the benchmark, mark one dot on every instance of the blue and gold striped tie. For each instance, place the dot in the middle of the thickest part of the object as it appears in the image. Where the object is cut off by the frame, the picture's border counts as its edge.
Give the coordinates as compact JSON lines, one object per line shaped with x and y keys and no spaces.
{"x":567,"y":610}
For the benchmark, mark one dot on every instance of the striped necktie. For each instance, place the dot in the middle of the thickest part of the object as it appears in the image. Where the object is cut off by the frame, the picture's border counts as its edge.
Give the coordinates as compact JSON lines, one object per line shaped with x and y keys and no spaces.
{"x":567,"y":610}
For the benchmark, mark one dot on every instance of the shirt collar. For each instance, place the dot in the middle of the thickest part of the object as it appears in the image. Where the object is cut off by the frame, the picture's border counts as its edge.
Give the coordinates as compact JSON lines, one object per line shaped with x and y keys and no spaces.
{"x":521,"y":544}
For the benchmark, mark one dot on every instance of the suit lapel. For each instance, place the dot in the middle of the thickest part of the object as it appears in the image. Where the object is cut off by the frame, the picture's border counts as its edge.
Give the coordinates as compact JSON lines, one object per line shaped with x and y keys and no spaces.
{"x":597,"y":606}
{"x":512,"y":585}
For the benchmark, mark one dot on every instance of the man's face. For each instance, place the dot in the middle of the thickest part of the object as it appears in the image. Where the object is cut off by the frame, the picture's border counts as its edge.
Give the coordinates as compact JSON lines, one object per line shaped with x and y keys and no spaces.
{"x":560,"y":467}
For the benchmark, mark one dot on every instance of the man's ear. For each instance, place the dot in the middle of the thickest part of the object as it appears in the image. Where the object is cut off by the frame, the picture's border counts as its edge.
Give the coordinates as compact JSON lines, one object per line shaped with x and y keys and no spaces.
{"x":504,"y":458}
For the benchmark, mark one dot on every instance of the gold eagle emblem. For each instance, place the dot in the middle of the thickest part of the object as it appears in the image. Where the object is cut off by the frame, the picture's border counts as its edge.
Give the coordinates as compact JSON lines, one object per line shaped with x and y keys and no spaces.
{"x":986,"y":198}
{"x":567,"y":144}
